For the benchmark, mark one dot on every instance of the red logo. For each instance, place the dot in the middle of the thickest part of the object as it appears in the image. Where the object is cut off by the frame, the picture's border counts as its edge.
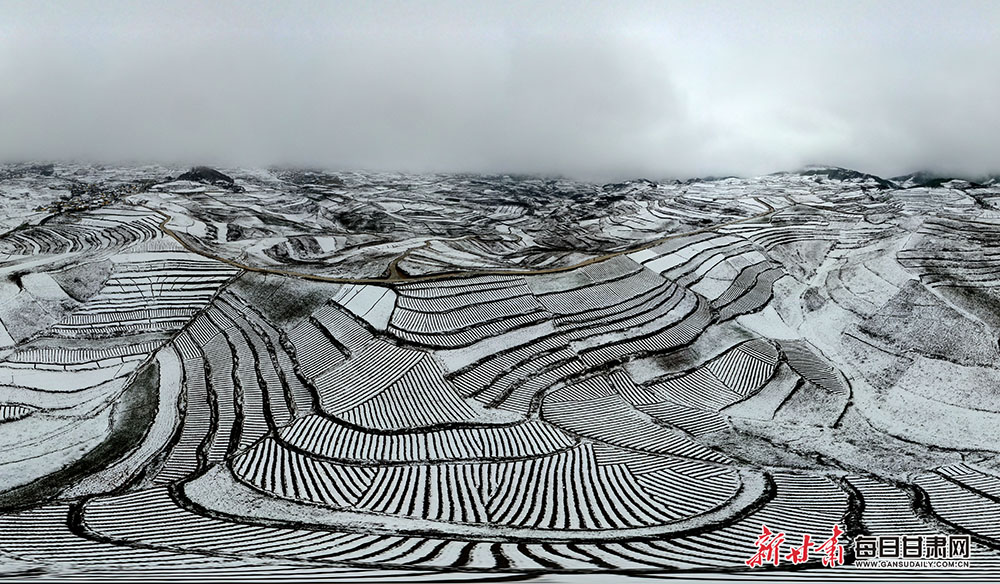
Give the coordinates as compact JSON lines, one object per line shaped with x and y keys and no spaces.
{"x":769,"y":543}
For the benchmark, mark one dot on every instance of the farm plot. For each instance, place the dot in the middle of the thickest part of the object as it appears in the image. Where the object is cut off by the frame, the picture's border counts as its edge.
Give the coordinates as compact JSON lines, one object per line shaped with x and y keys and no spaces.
{"x":580,"y":488}
{"x":459,"y":377}
{"x":237,"y":389}
{"x":946,"y":252}
{"x":462,"y":312}
{"x":94,"y":231}
{"x":148,"y":291}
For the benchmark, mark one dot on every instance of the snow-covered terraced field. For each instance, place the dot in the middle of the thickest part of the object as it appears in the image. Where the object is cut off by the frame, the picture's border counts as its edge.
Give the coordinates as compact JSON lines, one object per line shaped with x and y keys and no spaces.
{"x":404,"y":377}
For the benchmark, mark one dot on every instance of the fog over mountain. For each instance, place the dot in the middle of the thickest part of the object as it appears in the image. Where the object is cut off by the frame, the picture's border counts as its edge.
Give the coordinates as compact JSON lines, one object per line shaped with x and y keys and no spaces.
{"x":583,"y":89}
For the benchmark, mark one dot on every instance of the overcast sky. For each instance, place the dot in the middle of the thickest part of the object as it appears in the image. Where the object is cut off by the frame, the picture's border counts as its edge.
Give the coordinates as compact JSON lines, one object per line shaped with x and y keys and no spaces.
{"x":607,"y":89}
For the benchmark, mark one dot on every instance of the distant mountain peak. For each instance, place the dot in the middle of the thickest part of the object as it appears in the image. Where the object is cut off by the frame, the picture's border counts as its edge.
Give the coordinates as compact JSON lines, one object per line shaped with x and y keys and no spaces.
{"x":926,"y":178}
{"x":843,"y":174}
{"x":210,"y":176}
{"x":207,"y":175}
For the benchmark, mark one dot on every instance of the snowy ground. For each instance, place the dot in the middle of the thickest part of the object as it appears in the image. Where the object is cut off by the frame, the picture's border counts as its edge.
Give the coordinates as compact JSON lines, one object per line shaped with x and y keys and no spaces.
{"x":438,"y":377}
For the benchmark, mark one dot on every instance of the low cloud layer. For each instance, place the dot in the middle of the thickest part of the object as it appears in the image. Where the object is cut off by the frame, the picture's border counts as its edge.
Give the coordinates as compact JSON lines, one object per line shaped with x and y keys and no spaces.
{"x":596,"y":90}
